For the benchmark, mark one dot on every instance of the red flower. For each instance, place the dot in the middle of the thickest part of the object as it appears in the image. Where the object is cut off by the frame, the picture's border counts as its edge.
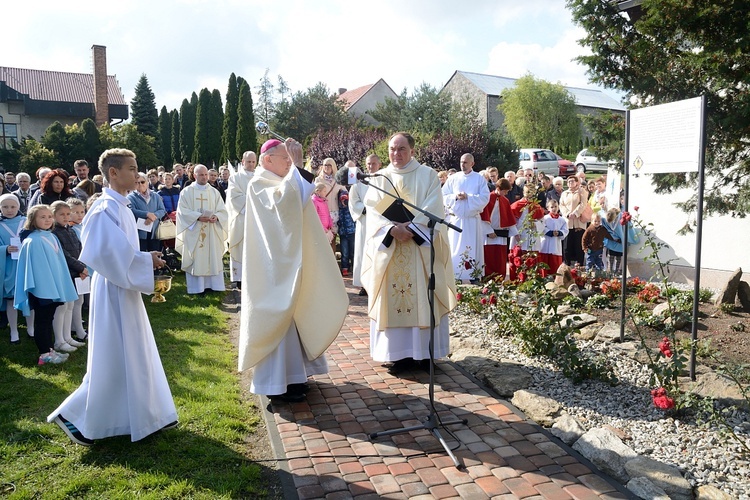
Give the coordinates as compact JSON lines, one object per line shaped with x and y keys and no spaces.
{"x":529,"y":262}
{"x":635,"y":208}
{"x":459,"y":296}
{"x":483,"y":301}
{"x":665,"y":347}
{"x":625,"y":218}
{"x":517,"y":261}
{"x":493,"y":299}
{"x":467,"y":264}
{"x":661,"y":399}
{"x":485,"y":290}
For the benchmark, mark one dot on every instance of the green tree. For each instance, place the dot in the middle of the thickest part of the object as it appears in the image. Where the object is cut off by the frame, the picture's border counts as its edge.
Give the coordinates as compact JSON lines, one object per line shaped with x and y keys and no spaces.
{"x":187,"y":128}
{"x":165,"y":137}
{"x":143,"y":109}
{"x":247,"y":137}
{"x":266,"y":105}
{"x":309,"y":111}
{"x":128,"y":136}
{"x":539,"y":113}
{"x":175,"y":139}
{"x":91,"y":143}
{"x":55,"y":139}
{"x":33,"y":155}
{"x":669,"y":50}
{"x":229,"y":133}
{"x":202,"y":151}
{"x":425,"y":111}
{"x":216,"y":120}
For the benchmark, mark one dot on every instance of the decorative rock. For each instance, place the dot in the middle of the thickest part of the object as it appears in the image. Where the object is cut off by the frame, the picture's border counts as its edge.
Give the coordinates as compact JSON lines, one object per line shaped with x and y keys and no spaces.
{"x":717,"y":386}
{"x":574,"y":290}
{"x":662,"y":476}
{"x":578,"y":320}
{"x":567,"y":429}
{"x":588,"y":332}
{"x":710,"y":492}
{"x":728,"y":292}
{"x":606,"y":451}
{"x":564,"y":278}
{"x":557,"y":292}
{"x":643,"y":488}
{"x":610,"y":332}
{"x":537,"y":406}
{"x":743,"y":293}
{"x":506,"y":378}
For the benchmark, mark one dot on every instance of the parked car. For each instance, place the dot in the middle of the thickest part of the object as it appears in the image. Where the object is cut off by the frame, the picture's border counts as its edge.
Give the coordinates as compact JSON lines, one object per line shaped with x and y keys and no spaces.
{"x":566,"y":167}
{"x":541,"y":160}
{"x":586,"y":162}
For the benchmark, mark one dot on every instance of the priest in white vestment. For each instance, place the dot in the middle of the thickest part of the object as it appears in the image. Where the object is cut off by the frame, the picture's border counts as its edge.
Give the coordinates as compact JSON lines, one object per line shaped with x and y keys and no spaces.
{"x":357,"y":194}
{"x":236,"y":200}
{"x":396,"y":265}
{"x":465,"y":195}
{"x":125,"y":390}
{"x":202,"y":223}
{"x":297,"y":302}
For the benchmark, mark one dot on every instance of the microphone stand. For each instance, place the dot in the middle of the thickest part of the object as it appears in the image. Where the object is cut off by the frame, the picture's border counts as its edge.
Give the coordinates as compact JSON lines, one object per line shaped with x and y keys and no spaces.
{"x":432,"y":421}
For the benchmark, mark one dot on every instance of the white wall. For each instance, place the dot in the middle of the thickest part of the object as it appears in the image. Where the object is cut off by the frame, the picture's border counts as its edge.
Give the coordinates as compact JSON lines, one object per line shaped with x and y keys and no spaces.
{"x":725,"y":243}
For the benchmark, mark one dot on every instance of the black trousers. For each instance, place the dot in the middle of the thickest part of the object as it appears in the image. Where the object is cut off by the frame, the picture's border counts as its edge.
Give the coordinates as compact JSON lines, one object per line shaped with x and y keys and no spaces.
{"x":44,"y":312}
{"x":573,"y":249}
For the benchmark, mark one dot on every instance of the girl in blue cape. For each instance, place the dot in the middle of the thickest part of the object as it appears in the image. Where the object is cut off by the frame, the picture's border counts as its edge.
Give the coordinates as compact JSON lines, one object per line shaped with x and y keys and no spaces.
{"x":42,"y":280}
{"x":10,"y":243}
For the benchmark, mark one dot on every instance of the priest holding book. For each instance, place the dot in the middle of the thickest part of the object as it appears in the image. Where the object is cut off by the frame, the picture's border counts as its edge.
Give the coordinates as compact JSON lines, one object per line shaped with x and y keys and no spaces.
{"x":396,"y":264}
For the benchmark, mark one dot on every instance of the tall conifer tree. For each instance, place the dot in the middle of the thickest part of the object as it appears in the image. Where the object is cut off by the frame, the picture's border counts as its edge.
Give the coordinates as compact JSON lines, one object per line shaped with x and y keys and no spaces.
{"x":247,"y":138}
{"x":187,"y":129}
{"x":216,"y":120}
{"x":229,"y":134}
{"x":165,"y":137}
{"x":202,"y":151}
{"x":143,"y":109}
{"x":174,"y":115}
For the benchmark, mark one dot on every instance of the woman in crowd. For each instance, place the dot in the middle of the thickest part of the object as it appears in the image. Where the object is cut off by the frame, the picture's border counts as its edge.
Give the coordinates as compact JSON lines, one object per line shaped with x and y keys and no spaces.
{"x":147,"y":205}
{"x":84,"y":190}
{"x":54,"y":187}
{"x":572,"y":204}
{"x":170,"y":195}
{"x":327,"y":176}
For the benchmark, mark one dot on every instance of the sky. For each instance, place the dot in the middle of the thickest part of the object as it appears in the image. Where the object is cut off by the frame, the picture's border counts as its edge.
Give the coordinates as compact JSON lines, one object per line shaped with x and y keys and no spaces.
{"x":183,"y":46}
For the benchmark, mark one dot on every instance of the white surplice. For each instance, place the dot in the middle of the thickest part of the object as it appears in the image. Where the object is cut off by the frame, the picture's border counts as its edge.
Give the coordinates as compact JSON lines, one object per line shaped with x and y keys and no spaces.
{"x":466,"y":214}
{"x":236,"y":201}
{"x":357,"y":194}
{"x":125,"y":390}
{"x":201,"y":244}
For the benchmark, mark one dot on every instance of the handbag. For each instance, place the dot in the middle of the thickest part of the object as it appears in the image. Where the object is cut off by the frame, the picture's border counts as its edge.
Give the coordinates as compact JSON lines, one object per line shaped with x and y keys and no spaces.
{"x":587,"y":214}
{"x":166,"y":230}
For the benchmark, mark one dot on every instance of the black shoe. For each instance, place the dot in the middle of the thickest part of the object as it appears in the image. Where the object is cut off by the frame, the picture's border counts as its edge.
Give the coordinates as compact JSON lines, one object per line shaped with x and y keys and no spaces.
{"x":72,"y":431}
{"x":362,"y":292}
{"x":287,"y":398}
{"x":401,"y":365}
{"x":297,"y":388}
{"x":171,"y":425}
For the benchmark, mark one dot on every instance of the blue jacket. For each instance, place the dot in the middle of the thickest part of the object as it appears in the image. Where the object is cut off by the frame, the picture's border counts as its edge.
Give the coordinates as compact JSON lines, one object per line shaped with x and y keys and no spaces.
{"x":616,"y":233}
{"x":140,"y":208}
{"x":346,"y":224}
{"x":8,"y":226}
{"x":170,"y":197}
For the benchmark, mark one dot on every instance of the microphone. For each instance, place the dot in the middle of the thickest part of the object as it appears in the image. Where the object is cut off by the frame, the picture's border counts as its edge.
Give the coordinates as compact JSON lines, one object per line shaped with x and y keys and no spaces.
{"x":362,"y":177}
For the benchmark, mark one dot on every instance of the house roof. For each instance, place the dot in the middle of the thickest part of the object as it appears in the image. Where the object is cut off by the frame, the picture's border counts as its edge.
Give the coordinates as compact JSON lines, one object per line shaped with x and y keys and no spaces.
{"x":350,"y":97}
{"x":494,"y":85}
{"x":58,"y":86}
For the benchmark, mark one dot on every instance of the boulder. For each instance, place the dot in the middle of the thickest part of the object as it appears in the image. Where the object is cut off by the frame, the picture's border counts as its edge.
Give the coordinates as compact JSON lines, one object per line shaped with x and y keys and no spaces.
{"x":578,"y":320}
{"x":606,"y":451}
{"x":556,"y":291}
{"x":716,"y":386}
{"x":610,"y":332}
{"x":643,"y":488}
{"x":710,"y":492}
{"x":588,"y":332}
{"x":567,"y":429}
{"x":563,"y":277}
{"x":663,"y":476}
{"x":537,"y":406}
{"x":743,"y":293}
{"x":661,"y":311}
{"x":504,"y":377}
{"x":574,"y":290}
{"x":728,"y":292}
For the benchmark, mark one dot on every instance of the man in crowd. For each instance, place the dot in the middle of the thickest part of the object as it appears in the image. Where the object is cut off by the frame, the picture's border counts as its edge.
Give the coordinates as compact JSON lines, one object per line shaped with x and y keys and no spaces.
{"x":10,"y":181}
{"x":395,"y":270}
{"x":357,"y":195}
{"x":213,"y":181}
{"x":40,"y":173}
{"x":81,"y":168}
{"x":224,"y":174}
{"x":516,"y":192}
{"x":298,"y":302}
{"x":236,"y":201}
{"x":465,"y":195}
{"x":201,"y":233}
{"x":180,"y":178}
{"x":23,"y":193}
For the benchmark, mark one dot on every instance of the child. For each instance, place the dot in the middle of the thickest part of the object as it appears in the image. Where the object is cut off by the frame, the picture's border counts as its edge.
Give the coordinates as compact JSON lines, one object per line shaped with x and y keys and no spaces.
{"x":10,"y":228}
{"x":500,"y":226}
{"x":125,"y":390}
{"x":613,"y":241}
{"x":555,"y":229}
{"x":71,"y":246}
{"x":77,"y":212}
{"x":593,"y":243}
{"x":529,"y":231}
{"x":347,"y":229}
{"x":321,"y":206}
{"x":42,"y":280}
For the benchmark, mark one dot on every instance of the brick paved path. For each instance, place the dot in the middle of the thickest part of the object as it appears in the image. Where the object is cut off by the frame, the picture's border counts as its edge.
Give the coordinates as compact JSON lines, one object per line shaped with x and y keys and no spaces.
{"x":329,"y":454}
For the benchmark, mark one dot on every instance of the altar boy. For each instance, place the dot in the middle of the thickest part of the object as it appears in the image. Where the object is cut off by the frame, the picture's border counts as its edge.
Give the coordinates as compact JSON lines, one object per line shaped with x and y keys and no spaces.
{"x":125,"y":390}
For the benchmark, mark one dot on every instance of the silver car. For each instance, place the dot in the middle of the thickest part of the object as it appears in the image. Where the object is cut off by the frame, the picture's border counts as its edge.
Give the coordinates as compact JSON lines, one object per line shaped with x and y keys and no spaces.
{"x":541,"y":160}
{"x":586,"y":162}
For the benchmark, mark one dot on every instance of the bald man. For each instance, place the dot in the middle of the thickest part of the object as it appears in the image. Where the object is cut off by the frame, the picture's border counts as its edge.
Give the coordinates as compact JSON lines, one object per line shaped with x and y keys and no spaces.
{"x":202,"y":222}
{"x":357,"y":209}
{"x":465,"y":195}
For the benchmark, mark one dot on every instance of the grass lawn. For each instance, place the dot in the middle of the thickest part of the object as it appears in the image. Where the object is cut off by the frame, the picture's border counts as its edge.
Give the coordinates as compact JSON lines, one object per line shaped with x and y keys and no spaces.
{"x":205,"y":457}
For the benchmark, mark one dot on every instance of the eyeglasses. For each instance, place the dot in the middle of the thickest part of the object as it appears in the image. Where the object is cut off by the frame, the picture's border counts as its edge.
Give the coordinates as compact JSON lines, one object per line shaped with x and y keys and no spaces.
{"x":141,"y":182}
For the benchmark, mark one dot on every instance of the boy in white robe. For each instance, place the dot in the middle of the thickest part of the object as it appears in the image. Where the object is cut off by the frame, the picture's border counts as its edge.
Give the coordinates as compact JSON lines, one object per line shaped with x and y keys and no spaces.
{"x":125,"y":390}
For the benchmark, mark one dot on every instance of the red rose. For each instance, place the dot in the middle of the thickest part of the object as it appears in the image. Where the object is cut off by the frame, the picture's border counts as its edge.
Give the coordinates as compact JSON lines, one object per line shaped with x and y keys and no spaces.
{"x":493,"y":299}
{"x":529,"y":262}
{"x":459,"y":296}
{"x":661,"y":399}
{"x":635,"y":208}
{"x":517,"y":261}
{"x":483,"y":301}
{"x":467,"y":265}
{"x":485,"y":290}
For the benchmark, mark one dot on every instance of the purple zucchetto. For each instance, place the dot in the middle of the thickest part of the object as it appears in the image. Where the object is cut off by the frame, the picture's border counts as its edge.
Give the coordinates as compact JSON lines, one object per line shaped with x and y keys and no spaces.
{"x":270,"y":144}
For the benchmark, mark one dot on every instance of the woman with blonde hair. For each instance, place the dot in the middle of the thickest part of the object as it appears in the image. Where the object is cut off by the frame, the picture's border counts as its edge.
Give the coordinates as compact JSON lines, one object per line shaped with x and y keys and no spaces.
{"x":327,"y":176}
